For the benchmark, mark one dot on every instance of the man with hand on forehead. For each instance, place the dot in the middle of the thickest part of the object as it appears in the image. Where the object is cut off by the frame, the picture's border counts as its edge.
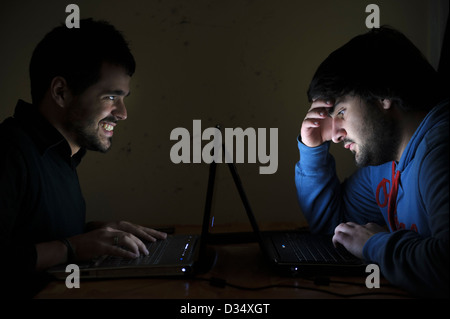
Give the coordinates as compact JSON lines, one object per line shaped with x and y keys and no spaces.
{"x":80,"y":78}
{"x":380,"y":98}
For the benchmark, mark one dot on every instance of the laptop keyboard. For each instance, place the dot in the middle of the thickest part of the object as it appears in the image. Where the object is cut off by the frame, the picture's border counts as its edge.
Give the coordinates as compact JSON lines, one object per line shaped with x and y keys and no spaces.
{"x":304,"y":247}
{"x":155,"y":249}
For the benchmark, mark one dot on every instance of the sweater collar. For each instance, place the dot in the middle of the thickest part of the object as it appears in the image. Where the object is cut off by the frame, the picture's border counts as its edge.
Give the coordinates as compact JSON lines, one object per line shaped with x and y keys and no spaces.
{"x":45,"y":135}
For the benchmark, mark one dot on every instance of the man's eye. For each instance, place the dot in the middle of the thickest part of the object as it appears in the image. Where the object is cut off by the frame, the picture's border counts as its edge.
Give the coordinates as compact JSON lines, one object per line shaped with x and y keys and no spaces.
{"x":340,"y":114}
{"x":111,"y":98}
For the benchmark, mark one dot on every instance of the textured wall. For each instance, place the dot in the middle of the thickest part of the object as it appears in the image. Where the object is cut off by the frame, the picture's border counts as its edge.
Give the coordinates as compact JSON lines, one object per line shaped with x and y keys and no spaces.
{"x":238,"y":63}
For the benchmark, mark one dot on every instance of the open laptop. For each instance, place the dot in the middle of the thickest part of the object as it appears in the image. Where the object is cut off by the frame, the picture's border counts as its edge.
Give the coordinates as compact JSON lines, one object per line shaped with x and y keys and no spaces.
{"x":299,"y":253}
{"x":177,"y":255}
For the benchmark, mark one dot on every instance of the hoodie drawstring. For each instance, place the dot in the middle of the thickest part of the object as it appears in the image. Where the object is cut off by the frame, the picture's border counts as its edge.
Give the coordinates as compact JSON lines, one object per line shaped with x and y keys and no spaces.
{"x":392,"y":203}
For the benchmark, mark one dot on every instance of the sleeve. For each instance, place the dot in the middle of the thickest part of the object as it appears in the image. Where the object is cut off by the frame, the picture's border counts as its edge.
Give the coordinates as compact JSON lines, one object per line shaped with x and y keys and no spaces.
{"x":14,"y":247}
{"x":326,"y":202}
{"x":418,"y":264}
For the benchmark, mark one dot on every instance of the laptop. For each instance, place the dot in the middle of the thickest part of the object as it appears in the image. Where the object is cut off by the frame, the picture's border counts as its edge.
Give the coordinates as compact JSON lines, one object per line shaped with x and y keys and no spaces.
{"x":296,"y":252}
{"x":176,"y":256}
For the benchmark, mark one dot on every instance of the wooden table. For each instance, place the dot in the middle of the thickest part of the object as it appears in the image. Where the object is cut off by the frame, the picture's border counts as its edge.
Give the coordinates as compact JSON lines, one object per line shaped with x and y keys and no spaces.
{"x":240,"y":272}
{"x":241,"y":268}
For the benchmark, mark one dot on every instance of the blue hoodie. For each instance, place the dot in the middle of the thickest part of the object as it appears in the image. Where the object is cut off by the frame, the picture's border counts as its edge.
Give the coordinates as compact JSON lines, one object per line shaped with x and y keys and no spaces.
{"x":414,"y":253}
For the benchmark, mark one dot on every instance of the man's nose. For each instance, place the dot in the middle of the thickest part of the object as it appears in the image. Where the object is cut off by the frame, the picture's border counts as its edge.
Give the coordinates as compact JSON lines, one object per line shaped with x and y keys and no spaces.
{"x":338,"y":131}
{"x":121,"y":111}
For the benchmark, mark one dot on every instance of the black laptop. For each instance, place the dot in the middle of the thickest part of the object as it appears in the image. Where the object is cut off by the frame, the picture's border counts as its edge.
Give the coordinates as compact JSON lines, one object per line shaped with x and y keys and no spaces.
{"x":298,"y":253}
{"x":177,"y":255}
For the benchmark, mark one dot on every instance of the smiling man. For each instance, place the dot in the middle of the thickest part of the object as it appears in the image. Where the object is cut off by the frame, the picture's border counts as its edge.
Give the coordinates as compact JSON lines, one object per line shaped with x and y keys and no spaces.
{"x":79,"y":81}
{"x":380,"y":98}
{"x":88,"y":120}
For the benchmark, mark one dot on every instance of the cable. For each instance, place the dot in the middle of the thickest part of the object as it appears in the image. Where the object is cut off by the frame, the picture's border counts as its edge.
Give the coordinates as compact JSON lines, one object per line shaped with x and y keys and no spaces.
{"x":222,"y":283}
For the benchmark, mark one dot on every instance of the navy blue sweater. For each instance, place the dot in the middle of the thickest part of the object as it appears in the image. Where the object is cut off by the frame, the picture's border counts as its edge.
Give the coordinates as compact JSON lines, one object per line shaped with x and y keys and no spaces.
{"x":40,"y":195}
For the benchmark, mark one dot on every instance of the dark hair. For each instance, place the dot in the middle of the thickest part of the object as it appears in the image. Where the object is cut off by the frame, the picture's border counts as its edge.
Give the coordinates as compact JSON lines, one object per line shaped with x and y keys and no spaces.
{"x":381,"y":63}
{"x":77,"y":55}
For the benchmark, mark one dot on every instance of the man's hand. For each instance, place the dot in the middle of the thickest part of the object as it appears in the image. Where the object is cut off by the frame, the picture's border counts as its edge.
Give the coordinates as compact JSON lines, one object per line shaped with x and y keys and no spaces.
{"x":353,"y":236}
{"x":317,"y":125}
{"x":122,"y":239}
{"x":145,"y":233}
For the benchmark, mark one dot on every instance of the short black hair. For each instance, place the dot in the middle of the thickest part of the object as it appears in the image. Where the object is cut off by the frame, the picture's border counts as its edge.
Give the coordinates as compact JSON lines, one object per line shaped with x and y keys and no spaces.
{"x":382,"y":63}
{"x":77,"y":54}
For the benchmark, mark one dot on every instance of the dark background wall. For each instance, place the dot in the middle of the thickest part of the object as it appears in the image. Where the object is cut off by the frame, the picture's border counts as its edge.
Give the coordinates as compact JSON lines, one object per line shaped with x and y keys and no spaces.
{"x":235,"y":62}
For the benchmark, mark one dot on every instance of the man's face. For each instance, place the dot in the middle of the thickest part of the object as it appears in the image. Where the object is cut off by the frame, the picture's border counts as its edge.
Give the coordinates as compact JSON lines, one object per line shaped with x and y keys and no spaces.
{"x":366,"y":130}
{"x":93,"y":115}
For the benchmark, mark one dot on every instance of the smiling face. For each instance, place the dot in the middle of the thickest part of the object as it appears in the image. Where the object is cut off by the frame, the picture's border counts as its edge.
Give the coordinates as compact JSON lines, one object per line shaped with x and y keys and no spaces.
{"x":92,"y":116}
{"x":365,"y":129}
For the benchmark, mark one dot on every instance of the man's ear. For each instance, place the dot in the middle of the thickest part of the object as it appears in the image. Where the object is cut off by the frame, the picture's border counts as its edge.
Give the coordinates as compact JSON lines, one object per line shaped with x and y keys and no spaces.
{"x":59,"y":91}
{"x":386,"y":104}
